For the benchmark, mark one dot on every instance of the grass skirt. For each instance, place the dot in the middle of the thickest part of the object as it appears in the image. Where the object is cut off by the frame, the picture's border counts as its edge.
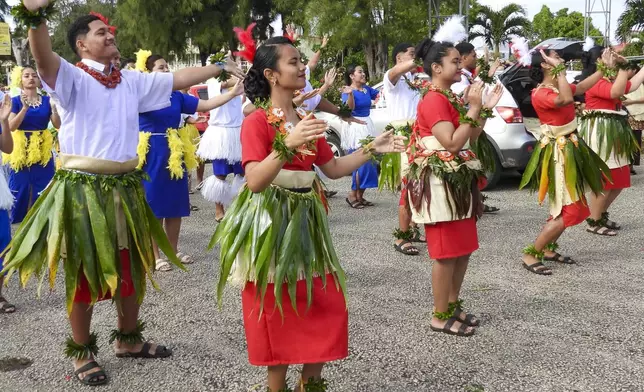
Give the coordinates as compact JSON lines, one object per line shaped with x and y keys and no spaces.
{"x":277,"y":235}
{"x":76,"y":218}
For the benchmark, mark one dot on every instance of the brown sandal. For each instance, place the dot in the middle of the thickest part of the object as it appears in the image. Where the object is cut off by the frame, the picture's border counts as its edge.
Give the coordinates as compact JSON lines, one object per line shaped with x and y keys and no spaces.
{"x":601,"y":230}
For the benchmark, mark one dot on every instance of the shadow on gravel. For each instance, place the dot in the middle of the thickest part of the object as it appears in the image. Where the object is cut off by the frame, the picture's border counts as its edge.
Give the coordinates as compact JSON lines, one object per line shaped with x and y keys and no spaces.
{"x":8,"y":364}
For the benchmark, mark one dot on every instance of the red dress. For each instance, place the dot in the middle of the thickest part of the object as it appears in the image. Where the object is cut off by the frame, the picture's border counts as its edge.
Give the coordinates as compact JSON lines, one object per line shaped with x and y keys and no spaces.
{"x":598,"y":97}
{"x":543,"y":101}
{"x":319,"y":334}
{"x":445,"y":240}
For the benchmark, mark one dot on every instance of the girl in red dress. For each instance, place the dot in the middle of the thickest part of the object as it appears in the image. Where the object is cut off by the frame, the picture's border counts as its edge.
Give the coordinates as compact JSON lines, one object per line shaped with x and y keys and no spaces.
{"x":275,"y":239}
{"x":604,"y":126}
{"x":443,"y":180}
{"x":562,"y":165}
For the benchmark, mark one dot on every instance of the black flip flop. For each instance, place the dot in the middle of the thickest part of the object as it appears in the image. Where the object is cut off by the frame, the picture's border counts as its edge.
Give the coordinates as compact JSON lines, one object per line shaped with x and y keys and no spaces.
{"x":356,"y":204}
{"x":470,"y":319}
{"x":560,"y":259}
{"x":93,"y":379}
{"x":159,"y":352}
{"x":366,"y":203}
{"x":490,"y":209}
{"x":534,"y":268}
{"x":416,"y":237}
{"x":447,"y":328}
{"x":409,"y":251}
{"x":194,"y":208}
{"x":6,"y":307}
{"x":598,"y":230}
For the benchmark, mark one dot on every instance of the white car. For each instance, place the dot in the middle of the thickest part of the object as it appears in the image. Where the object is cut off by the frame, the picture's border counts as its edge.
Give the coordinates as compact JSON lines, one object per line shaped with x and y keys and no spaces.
{"x":511,"y":140}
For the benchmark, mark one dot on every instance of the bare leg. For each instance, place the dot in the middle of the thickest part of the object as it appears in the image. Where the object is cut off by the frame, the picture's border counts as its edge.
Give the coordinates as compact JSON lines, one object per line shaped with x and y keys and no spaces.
{"x":277,"y":377}
{"x":155,"y":247}
{"x":611,"y":197}
{"x":460,"y":267}
{"x":442,"y":282}
{"x":310,"y":370}
{"x":219,"y":208}
{"x":360,"y":194}
{"x":550,"y":232}
{"x":172,"y":229}
{"x":354,"y":194}
{"x":404,"y":223}
{"x":598,"y":204}
{"x":200,"y":170}
{"x":80,"y":320}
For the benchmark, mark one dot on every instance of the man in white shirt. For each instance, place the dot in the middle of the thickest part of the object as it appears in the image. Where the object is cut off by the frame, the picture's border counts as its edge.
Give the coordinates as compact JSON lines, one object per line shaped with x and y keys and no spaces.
{"x":96,"y":204}
{"x":402,"y":105}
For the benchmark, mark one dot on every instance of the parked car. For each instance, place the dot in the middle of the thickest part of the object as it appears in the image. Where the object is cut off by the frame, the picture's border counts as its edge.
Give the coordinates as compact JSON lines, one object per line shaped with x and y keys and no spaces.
{"x":512,"y":142}
{"x":201,"y":91}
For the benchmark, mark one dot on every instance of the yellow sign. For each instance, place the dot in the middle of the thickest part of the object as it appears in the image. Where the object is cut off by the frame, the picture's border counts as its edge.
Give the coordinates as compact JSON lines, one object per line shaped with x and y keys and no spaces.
{"x":5,"y":40}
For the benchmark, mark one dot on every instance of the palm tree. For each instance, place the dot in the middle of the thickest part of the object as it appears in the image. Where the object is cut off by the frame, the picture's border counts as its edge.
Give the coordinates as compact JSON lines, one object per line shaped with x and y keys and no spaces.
{"x":496,"y":27}
{"x":632,"y":19}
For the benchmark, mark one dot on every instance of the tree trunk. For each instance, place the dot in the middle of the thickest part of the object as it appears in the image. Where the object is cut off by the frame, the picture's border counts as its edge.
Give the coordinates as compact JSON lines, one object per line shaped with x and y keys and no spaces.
{"x":497,"y":50}
{"x":376,"y":58}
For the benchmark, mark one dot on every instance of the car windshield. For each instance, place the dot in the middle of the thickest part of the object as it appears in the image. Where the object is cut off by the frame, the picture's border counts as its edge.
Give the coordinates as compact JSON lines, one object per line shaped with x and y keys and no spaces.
{"x":518,"y":82}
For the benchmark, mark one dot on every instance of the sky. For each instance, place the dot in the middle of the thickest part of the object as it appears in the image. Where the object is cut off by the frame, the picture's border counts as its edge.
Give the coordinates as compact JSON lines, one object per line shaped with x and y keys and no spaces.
{"x":617,"y":7}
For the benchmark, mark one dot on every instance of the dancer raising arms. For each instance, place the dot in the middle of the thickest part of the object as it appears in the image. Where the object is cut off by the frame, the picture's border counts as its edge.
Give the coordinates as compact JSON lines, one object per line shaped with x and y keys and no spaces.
{"x":93,"y":214}
{"x":31,"y":161}
{"x":305,"y":284}
{"x":357,"y":94}
{"x":562,"y":165}
{"x":167,"y":155}
{"x":604,"y":126}
{"x":444,"y":173}
{"x":402,"y":102}
{"x":221,"y":144}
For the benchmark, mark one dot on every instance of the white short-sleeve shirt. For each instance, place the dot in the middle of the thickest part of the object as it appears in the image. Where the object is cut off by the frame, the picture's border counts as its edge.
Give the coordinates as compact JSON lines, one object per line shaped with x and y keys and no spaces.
{"x":402,"y":101}
{"x":312,"y":103}
{"x":101,"y":122}
{"x":228,"y":115}
{"x":466,"y":77}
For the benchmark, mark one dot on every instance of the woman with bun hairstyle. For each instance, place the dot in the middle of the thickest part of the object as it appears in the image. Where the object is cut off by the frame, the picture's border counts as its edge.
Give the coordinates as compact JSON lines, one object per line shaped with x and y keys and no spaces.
{"x":357,"y":95}
{"x":167,"y":154}
{"x":32,"y":160}
{"x":444,"y":173}
{"x":274,"y":240}
{"x":604,"y":126}
{"x":562,"y":165}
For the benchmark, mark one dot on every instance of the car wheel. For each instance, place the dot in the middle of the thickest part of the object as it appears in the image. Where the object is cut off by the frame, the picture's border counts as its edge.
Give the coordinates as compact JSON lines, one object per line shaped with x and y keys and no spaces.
{"x":494,"y":177}
{"x":334,"y":142}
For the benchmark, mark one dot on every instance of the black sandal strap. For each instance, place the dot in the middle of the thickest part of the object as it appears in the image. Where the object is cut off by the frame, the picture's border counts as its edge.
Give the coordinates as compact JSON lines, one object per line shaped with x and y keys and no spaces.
{"x":463,"y":328}
{"x":87,"y":367}
{"x":449,"y":324}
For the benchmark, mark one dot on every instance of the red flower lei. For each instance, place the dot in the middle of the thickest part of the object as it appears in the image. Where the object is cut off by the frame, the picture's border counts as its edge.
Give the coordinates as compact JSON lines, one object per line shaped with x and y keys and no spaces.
{"x":110,"y":81}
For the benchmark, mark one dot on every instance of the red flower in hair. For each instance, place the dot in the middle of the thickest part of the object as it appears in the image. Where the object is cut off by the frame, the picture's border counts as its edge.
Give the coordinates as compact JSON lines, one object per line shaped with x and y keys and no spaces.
{"x":245,"y":37}
{"x":104,"y":20}
{"x":419,"y":69}
{"x":291,"y":37}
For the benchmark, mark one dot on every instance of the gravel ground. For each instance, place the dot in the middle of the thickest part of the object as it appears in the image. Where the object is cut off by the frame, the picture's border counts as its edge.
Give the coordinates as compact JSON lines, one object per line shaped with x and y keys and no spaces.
{"x":574,"y":331}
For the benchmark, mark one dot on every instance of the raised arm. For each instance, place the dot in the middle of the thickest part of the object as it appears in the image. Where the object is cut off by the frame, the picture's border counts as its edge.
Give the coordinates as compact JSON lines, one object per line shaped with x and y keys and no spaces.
{"x":349,"y":94}
{"x":188,"y":77}
{"x":313,"y":63}
{"x":6,"y":141}
{"x":636,"y":81}
{"x":15,"y":119}
{"x":399,"y":70}
{"x":589,"y":82}
{"x":222,"y":99}
{"x":47,"y":62}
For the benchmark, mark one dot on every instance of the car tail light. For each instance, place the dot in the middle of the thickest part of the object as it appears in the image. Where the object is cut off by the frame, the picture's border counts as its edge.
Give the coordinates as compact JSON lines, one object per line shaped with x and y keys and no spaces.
{"x":510,"y":115}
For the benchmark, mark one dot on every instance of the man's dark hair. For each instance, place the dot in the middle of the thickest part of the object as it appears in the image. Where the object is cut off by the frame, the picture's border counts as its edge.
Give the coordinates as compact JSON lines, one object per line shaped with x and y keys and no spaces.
{"x":400,"y":48}
{"x":78,"y":28}
{"x":464,"y":48}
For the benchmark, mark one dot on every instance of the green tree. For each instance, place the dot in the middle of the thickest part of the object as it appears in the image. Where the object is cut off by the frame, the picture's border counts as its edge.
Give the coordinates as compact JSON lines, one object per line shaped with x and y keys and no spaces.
{"x":546,"y":25}
{"x":497,"y":27}
{"x":632,"y":19}
{"x":370,"y":25}
{"x":5,"y":9}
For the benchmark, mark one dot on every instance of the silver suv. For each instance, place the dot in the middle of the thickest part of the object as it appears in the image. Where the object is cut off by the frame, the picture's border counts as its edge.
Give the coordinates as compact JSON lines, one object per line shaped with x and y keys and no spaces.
{"x":512,"y":142}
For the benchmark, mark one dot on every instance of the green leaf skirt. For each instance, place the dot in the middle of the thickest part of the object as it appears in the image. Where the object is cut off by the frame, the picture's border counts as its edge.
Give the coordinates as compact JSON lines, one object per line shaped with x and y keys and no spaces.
{"x":582,"y":168}
{"x":277,"y":235}
{"x":82,"y":218}
{"x":485,"y":152}
{"x":608,"y":133}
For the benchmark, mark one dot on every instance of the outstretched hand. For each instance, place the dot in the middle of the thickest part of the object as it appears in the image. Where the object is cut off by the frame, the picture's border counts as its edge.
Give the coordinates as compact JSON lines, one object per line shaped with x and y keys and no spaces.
{"x":388,"y":142}
{"x":5,"y":108}
{"x":493,"y":96}
{"x":33,"y":5}
{"x":232,"y":68}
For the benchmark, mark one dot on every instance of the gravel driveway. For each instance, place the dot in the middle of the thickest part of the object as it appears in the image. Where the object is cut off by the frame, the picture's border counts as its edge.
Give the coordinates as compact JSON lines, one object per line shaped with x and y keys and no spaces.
{"x":578,"y":330}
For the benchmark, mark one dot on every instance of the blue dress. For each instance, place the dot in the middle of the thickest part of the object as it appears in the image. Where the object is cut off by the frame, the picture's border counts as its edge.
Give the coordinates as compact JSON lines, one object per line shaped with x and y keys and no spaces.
{"x":27,"y":183}
{"x":168,"y":198}
{"x":366,"y":176}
